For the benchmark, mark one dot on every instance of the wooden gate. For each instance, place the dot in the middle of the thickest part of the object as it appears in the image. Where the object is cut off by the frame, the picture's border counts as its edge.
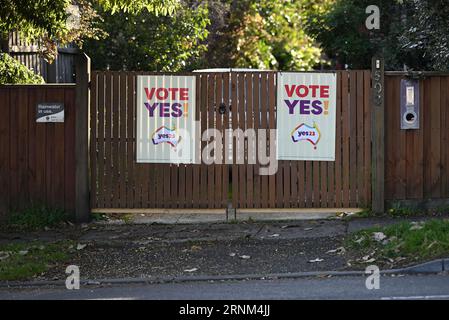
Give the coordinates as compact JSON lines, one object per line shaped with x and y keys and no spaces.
{"x":117,"y":181}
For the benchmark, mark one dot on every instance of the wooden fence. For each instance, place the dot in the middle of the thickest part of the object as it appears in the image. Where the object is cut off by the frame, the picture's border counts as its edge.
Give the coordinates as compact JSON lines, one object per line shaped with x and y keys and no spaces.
{"x":61,"y":70}
{"x":117,"y":181}
{"x":417,"y":161}
{"x":37,"y":160}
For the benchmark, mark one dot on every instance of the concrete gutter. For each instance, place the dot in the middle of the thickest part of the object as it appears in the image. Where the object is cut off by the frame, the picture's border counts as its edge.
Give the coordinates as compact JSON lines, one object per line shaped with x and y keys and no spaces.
{"x":431,"y":267}
{"x":182,"y":216}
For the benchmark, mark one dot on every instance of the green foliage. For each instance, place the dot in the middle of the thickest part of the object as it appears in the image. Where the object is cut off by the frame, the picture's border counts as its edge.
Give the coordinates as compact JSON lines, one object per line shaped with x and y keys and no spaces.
{"x":36,"y":218}
{"x":343,"y":35}
{"x":58,"y":22}
{"x":14,"y":72}
{"x":414,"y":33}
{"x":98,"y":216}
{"x":271,"y":34}
{"x":164,"y":7}
{"x":427,"y":34}
{"x":34,"y":18}
{"x":402,"y":211}
{"x":22,"y":261}
{"x":404,"y":241}
{"x":146,"y":41}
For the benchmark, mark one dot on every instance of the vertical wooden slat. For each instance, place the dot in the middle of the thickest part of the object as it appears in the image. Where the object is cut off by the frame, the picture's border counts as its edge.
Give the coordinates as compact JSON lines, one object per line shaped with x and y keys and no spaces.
{"x":419,"y":150}
{"x":5,"y":139}
{"x":256,"y":124}
{"x":130,"y":140}
{"x":308,"y":184}
{"x":235,"y":167}
{"x":241,"y":145}
{"x":338,"y":143}
{"x":225,"y":167}
{"x":250,"y":144}
{"x":360,"y":200}
{"x":427,"y":127}
{"x":272,"y":126}
{"x":101,"y":140}
{"x":390,"y":154}
{"x":400,"y":144}
{"x":345,"y":138}
{"x":108,"y":190}
{"x":13,"y":160}
{"x":435,"y":143}
{"x":93,"y":142}
{"x":268,"y":193}
{"x":210,"y":106}
{"x":445,"y":138}
{"x":33,"y":187}
{"x":197,"y":166}
{"x":218,"y":153}
{"x":323,"y":184}
{"x":59,"y":146}
{"x":122,"y":140}
{"x":353,"y":138}
{"x":316,"y":184}
{"x":22,"y":150}
{"x":367,"y":137}
{"x":69,"y":153}
{"x":115,"y":149}
{"x":204,"y":126}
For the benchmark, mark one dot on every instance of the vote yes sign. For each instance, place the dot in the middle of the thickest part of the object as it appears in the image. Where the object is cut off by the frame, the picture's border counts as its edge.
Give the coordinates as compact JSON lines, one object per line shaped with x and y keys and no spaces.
{"x":165,"y":119}
{"x":306,"y":116}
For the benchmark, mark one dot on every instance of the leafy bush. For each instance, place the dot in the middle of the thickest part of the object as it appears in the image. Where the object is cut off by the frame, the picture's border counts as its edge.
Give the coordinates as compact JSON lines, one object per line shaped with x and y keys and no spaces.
{"x":36,"y":217}
{"x":14,"y":72}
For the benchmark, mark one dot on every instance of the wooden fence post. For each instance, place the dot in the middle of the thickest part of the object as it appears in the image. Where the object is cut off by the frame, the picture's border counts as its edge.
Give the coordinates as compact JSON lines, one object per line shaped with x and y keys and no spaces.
{"x":82,"y":207}
{"x":378,"y":134}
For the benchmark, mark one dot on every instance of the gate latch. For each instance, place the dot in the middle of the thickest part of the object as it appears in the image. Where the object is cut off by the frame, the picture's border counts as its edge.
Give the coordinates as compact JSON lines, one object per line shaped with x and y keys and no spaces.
{"x":222,"y":108}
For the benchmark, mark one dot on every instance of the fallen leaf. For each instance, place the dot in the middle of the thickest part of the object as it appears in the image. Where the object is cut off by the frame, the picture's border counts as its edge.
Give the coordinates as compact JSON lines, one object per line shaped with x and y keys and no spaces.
{"x":431,"y":245}
{"x":195,"y":248}
{"x":416,"y":225}
{"x":191,"y":270}
{"x":339,"y":250}
{"x":379,"y":236}
{"x":80,"y":246}
{"x":23,"y":252}
{"x":316,"y":260}
{"x":359,"y":240}
{"x":368,"y":259}
{"x":4,"y":255}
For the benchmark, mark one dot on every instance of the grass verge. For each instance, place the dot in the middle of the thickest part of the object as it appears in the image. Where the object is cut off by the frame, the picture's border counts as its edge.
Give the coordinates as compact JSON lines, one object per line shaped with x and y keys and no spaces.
{"x":35,"y":218}
{"x":20,"y":261}
{"x":402,"y":243}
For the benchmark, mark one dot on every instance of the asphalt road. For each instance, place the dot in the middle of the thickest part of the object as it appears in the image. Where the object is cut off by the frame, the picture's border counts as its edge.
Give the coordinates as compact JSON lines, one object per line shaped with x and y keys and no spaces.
{"x":399,"y":287}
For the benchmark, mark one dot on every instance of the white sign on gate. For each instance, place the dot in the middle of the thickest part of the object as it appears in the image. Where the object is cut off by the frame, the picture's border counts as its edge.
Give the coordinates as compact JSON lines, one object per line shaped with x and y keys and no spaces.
{"x":166,"y":119}
{"x":306,"y":118}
